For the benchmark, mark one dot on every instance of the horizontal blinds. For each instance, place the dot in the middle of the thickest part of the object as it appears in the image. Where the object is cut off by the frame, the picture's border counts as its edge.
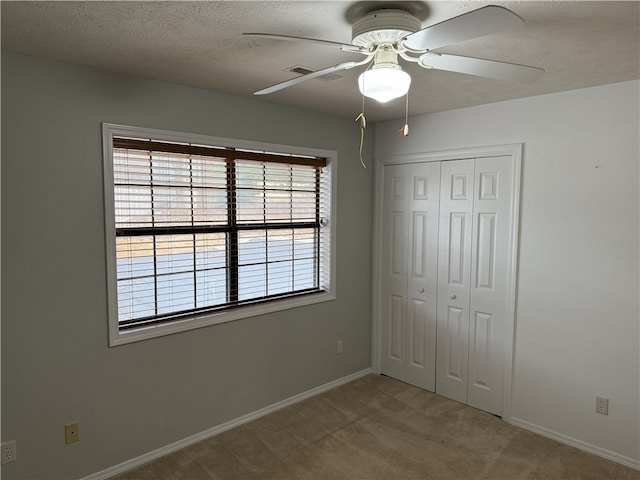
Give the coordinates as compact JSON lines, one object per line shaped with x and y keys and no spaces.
{"x":198,"y":229}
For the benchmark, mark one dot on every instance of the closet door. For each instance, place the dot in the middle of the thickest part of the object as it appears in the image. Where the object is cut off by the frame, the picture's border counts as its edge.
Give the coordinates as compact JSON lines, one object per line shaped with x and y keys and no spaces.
{"x":473,"y":272}
{"x":409,"y":272}
{"x":454,"y":275}
{"x":446,"y":276}
{"x":491,"y":247}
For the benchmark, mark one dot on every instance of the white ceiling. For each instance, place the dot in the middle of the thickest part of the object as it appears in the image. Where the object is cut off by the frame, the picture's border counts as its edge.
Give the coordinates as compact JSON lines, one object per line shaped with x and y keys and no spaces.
{"x":579,"y":44}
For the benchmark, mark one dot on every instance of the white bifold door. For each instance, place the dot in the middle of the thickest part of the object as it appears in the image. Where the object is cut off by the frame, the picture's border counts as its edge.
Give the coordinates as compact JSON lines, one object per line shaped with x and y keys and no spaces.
{"x":410,"y":272}
{"x":445,"y":276}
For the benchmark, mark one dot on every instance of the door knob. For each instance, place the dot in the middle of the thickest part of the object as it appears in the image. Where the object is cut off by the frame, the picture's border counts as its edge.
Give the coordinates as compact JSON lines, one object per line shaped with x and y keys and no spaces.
{"x":452,"y":296}
{"x":421,"y":290}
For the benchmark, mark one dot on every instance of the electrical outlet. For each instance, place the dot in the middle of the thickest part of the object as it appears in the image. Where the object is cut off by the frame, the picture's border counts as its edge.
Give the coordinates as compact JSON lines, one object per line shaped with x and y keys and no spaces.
{"x":9,"y":452}
{"x":71,"y":433}
{"x":602,"y":406}
{"x":339,"y":347}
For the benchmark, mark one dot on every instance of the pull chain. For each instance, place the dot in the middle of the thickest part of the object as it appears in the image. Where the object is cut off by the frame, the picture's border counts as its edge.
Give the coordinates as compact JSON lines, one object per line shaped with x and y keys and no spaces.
{"x":363,"y":125}
{"x":405,"y":128}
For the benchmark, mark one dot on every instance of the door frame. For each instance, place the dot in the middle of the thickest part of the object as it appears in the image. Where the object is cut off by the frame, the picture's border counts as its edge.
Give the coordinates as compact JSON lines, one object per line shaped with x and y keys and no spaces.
{"x":515,"y":152}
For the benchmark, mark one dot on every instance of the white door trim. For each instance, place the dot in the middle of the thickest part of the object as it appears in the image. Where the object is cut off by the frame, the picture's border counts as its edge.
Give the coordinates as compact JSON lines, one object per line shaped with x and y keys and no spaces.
{"x":515,"y":152}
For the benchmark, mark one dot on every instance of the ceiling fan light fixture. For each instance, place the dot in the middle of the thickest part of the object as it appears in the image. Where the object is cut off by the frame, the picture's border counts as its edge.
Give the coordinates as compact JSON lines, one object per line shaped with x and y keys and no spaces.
{"x":384,"y":82}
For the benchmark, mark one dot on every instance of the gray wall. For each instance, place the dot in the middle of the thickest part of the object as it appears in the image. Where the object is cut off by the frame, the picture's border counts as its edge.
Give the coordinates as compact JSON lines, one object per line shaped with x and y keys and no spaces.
{"x":132,"y":399}
{"x":577,"y":319}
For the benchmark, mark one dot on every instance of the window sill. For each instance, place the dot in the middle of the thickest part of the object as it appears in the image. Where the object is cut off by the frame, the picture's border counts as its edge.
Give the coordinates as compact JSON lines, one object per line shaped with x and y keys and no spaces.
{"x":122,"y":337}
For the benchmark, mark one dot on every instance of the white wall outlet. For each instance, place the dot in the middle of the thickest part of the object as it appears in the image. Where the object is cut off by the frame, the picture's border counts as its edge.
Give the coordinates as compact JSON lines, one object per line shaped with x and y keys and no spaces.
{"x":339,"y":347}
{"x":9,"y":452}
{"x":602,"y":406}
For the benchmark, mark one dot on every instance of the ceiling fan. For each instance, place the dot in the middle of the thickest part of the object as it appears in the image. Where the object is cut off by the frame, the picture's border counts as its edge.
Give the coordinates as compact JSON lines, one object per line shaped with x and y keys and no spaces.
{"x":382,"y":36}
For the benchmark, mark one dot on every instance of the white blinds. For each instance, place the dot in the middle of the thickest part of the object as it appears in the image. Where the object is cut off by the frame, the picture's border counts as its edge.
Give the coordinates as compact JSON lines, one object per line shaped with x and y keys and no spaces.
{"x":199,"y":228}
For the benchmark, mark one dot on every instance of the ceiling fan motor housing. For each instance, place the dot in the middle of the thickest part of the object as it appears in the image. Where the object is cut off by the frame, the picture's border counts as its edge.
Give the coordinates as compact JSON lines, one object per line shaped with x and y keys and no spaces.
{"x":383,"y":27}
{"x":385,"y":56}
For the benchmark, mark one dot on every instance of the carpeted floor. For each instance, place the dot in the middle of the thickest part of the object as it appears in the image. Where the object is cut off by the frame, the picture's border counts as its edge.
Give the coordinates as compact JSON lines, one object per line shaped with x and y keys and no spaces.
{"x":380,"y":428}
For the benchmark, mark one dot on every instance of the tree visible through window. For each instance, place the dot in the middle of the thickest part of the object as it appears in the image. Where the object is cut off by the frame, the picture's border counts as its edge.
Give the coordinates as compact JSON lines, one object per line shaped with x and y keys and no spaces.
{"x":201,"y":229}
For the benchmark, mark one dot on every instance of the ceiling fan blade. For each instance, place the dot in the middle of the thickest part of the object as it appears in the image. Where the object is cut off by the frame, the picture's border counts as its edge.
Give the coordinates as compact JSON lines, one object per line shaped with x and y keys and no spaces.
{"x":481,"y":67}
{"x":308,"y":76}
{"x":347,"y":47}
{"x":486,"y":20}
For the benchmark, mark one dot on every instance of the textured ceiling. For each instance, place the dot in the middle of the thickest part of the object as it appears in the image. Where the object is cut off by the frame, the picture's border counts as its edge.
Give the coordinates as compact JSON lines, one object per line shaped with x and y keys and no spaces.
{"x":579,"y":44}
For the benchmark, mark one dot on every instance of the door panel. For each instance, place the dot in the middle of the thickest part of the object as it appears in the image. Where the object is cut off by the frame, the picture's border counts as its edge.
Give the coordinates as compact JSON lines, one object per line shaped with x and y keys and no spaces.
{"x":394,"y":275}
{"x":490,"y":289}
{"x":409,"y":276}
{"x":485,"y":250}
{"x":423,"y":274}
{"x":481,"y":345}
{"x":416,"y":333}
{"x":398,"y":234}
{"x":395,"y":326}
{"x":455,"y":346}
{"x":418,"y":257}
{"x":454,"y":272}
{"x":456,"y":252}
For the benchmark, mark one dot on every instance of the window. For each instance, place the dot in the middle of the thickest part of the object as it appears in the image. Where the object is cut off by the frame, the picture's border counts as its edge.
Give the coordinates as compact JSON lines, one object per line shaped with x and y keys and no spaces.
{"x":204,"y":230}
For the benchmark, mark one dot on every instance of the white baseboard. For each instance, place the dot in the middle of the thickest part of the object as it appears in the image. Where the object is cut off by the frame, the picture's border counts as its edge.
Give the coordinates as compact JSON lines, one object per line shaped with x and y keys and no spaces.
{"x":185,"y":442}
{"x":587,"y":447}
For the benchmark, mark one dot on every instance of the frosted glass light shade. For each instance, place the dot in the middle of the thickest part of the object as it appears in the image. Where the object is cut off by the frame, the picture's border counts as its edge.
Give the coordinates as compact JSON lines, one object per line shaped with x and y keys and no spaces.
{"x":384,"y":82}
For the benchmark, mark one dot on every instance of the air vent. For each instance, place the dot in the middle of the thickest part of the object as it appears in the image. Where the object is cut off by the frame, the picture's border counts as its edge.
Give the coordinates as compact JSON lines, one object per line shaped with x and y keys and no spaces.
{"x":299,"y":69}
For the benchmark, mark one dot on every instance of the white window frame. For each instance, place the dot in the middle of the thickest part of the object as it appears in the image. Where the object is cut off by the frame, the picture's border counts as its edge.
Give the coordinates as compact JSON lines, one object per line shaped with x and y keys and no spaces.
{"x":120,"y":337}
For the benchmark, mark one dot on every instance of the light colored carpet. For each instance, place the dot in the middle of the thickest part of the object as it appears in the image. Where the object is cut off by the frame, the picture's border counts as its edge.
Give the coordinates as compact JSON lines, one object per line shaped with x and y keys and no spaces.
{"x":380,"y":428}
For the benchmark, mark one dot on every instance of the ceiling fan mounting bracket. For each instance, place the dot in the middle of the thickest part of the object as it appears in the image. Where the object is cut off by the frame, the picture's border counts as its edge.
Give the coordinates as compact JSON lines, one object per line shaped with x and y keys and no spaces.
{"x":385,"y":26}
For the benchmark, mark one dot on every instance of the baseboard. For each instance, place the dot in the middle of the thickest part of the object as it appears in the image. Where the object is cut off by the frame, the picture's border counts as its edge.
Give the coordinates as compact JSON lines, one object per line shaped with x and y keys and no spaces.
{"x":587,"y":447}
{"x":185,"y":442}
